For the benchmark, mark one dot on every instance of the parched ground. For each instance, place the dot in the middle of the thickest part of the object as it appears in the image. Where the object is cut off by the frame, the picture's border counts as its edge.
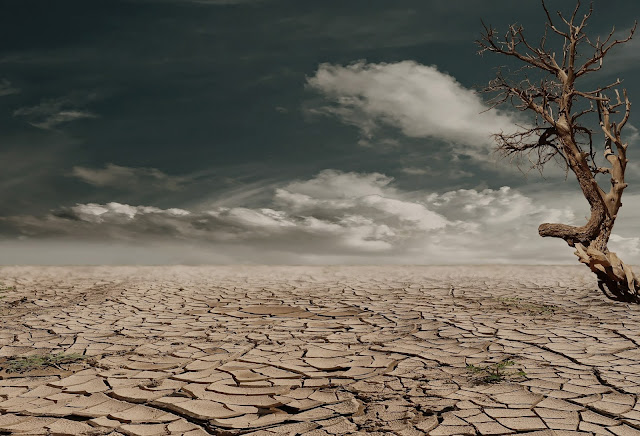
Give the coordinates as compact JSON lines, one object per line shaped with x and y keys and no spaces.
{"x":316,"y":351}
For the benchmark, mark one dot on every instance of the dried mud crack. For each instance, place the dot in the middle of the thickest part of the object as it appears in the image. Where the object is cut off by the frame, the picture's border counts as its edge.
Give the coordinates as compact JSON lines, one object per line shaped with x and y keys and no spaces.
{"x":316,"y":351}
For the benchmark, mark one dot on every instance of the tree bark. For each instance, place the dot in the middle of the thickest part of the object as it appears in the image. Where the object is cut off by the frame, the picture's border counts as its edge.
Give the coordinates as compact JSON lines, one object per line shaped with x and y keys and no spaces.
{"x":591,"y":239}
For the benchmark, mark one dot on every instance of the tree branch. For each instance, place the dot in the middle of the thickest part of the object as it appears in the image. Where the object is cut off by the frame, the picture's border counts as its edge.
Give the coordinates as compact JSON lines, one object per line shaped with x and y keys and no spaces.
{"x":601,"y":51}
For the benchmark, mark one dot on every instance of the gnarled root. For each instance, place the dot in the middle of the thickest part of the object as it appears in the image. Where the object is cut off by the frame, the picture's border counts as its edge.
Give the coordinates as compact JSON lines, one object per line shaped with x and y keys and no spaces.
{"x":613,"y":274}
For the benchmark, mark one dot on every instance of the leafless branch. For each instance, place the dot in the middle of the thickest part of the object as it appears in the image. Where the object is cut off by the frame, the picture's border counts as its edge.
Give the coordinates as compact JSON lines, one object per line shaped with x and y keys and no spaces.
{"x":559,"y":132}
{"x":601,"y":50}
{"x":550,"y":22}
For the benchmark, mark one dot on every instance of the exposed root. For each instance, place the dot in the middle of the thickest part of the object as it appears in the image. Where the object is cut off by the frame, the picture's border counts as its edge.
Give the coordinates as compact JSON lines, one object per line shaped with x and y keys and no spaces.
{"x":616,"y":279}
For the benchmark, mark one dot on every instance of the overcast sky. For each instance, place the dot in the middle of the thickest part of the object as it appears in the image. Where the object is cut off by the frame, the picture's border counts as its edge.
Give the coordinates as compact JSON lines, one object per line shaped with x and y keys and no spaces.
{"x":278,"y":131}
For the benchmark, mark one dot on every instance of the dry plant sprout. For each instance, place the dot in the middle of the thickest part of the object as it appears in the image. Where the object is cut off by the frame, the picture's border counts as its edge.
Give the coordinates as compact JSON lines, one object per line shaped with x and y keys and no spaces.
{"x":550,"y":86}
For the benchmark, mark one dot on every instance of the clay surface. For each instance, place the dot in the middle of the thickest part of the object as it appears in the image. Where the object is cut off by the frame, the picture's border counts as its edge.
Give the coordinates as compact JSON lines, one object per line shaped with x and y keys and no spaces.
{"x":267,"y":350}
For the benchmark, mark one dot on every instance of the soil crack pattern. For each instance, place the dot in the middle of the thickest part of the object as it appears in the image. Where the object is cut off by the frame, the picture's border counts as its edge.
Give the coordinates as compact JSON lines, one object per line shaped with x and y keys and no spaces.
{"x":315,"y":351}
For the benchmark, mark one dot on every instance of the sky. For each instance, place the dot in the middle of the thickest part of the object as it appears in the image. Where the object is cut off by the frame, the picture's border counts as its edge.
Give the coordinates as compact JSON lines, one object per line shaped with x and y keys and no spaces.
{"x":280,"y":132}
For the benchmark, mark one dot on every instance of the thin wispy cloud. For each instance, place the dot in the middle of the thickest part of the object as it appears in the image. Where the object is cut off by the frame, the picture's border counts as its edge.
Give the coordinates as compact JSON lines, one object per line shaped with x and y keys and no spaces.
{"x":449,"y":173}
{"x":51,"y":113}
{"x":6,"y":88}
{"x":128,"y":178}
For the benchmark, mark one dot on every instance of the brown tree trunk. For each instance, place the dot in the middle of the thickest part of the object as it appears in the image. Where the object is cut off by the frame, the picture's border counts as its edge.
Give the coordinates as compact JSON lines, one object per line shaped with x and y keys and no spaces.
{"x":616,"y":279}
{"x":591,"y":239}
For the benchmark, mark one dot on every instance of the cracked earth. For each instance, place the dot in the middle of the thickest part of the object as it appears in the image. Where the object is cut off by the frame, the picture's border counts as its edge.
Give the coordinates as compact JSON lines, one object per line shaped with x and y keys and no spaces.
{"x":312,"y":351}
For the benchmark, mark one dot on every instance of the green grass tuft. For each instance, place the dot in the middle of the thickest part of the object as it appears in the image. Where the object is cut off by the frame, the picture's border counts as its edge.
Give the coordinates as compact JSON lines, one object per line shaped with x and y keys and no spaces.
{"x":41,"y":361}
{"x":496,"y":372}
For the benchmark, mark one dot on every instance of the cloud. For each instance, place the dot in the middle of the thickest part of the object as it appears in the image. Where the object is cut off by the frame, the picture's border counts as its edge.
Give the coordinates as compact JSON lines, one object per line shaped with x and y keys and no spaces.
{"x":413,"y":171}
{"x":354,"y":220}
{"x":499,"y":206}
{"x":629,"y":246}
{"x":6,"y":88}
{"x":334,"y":217}
{"x":449,"y":173}
{"x":499,"y":226}
{"x":418,"y":99}
{"x":52,"y":112}
{"x":128,"y":178}
{"x":334,"y":196}
{"x":330,"y":184}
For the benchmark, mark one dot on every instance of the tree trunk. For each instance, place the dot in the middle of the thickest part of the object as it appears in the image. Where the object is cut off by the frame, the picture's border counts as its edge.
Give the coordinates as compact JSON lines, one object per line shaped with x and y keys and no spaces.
{"x":616,"y":279}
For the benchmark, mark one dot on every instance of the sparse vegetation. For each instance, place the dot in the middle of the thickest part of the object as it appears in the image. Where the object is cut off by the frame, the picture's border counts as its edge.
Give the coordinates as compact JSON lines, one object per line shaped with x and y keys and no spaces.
{"x":495,"y":372}
{"x":41,"y":361}
{"x":4,"y":289}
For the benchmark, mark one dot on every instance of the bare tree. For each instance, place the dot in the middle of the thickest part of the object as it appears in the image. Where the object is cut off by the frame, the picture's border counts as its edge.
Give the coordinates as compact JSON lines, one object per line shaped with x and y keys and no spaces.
{"x":564,"y":127}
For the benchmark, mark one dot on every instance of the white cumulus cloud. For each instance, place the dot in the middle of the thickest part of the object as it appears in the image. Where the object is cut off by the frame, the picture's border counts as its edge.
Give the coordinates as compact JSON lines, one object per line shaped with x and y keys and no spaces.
{"x":332,"y":217}
{"x":418,"y":99}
